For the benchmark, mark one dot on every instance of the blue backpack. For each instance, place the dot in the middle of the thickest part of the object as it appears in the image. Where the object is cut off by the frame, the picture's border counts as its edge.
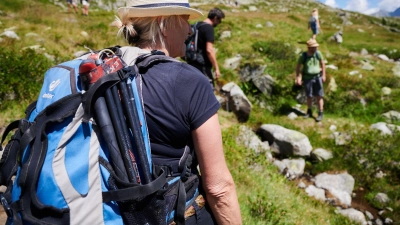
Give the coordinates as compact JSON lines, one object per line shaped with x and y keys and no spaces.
{"x":82,"y":154}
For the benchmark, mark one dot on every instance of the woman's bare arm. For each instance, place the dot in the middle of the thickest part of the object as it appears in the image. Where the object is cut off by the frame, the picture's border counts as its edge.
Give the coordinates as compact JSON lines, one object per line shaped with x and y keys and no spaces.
{"x":217,"y":179}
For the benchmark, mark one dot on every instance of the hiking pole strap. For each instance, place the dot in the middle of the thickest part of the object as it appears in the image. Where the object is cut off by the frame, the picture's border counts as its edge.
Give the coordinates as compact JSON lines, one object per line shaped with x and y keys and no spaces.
{"x":98,"y":88}
{"x":136,"y":191}
{"x":180,"y":204}
{"x":13,"y":125}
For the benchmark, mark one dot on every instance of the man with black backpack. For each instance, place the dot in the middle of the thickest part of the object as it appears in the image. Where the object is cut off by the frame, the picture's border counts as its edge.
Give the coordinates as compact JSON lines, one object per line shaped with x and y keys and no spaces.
{"x":205,"y":45}
{"x":313,"y":75}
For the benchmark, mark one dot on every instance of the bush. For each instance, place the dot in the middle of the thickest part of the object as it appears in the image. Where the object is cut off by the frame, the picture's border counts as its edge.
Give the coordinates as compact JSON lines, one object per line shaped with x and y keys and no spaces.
{"x":275,"y":50}
{"x":21,"y":74}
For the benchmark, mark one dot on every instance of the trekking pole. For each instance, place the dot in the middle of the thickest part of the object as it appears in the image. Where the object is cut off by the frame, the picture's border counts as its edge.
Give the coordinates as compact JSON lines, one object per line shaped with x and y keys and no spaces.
{"x":133,"y":120}
{"x":123,"y":137}
{"x":104,"y":122}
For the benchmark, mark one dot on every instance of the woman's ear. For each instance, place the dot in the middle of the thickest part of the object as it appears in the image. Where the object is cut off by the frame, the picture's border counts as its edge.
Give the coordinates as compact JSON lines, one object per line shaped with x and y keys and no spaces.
{"x":161,"y":25}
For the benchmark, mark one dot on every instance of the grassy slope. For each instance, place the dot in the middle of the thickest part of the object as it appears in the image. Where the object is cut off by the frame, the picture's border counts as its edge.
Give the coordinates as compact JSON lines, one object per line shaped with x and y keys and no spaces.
{"x":265,"y":197}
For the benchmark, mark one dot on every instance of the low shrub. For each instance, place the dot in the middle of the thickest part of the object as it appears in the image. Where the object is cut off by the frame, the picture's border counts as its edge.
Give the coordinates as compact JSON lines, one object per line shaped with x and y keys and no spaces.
{"x":21,"y":74}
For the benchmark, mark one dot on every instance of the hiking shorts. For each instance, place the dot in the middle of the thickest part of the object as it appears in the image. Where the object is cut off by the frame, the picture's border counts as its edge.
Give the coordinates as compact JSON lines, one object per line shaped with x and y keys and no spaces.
{"x":314,"y":30}
{"x":85,"y":2}
{"x":314,"y":86}
{"x":72,"y":2}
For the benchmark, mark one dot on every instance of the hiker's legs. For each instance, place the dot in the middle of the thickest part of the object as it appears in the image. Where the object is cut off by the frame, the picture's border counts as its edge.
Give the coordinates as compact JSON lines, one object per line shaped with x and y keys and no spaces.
{"x":85,"y":7}
{"x":320,"y":103}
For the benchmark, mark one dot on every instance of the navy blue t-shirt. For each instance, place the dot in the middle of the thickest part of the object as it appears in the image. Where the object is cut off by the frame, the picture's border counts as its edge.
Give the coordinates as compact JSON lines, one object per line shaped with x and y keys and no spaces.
{"x":177,"y":99}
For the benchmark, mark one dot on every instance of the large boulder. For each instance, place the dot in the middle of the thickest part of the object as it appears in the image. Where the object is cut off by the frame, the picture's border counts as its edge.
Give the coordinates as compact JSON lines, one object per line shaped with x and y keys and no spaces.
{"x":250,"y":140}
{"x":284,"y":141}
{"x":354,"y":215}
{"x":248,"y":72}
{"x":265,"y":84}
{"x":237,"y":101}
{"x":339,"y":185}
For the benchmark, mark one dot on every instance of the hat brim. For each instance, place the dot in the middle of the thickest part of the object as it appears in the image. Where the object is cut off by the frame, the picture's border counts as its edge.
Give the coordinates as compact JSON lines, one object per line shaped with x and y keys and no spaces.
{"x":159,"y":11}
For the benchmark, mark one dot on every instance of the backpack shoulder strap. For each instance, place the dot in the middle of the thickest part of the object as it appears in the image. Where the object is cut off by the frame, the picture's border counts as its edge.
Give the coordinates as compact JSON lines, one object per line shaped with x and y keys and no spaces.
{"x":304,"y":54}
{"x":318,"y":55}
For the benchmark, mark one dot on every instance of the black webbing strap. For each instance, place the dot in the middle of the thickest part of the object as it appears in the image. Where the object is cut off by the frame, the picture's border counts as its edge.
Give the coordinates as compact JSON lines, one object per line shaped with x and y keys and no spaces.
{"x":9,"y":160}
{"x":136,"y":191}
{"x":98,"y":88}
{"x":13,"y":125}
{"x":30,"y":205}
{"x":180,"y":204}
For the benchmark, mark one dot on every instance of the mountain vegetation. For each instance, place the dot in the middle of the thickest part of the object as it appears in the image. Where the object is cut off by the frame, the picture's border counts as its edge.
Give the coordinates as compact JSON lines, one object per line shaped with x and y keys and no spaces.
{"x":35,"y":35}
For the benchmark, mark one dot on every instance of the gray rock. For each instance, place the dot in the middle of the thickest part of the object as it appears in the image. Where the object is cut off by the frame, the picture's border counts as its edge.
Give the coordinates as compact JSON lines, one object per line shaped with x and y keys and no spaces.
{"x":388,"y":221}
{"x":338,"y":37}
{"x":381,"y":126}
{"x":396,"y":70}
{"x":284,"y":141}
{"x":250,"y":140}
{"x":378,"y":222}
{"x":383,"y":57}
{"x":343,"y":197}
{"x":292,"y":116}
{"x":280,"y":165}
{"x":341,"y":138}
{"x":315,"y":192}
{"x":332,"y":128}
{"x":269,"y":24}
{"x":367,"y":66}
{"x":225,"y":34}
{"x":321,"y":154}
{"x":249,"y":72}
{"x":252,"y":8}
{"x":332,"y":86}
{"x":232,"y":63}
{"x":382,"y":198}
{"x":259,"y":26}
{"x":302,"y":185}
{"x":238,"y":101}
{"x":354,"y":72}
{"x":364,"y":51}
{"x":295,"y":167}
{"x":354,"y":215}
{"x":333,"y":67}
{"x":386,"y":91}
{"x":343,"y":182}
{"x":360,"y":30}
{"x":392,"y":115}
{"x":10,"y":34}
{"x":369,"y":215}
{"x":264,"y":83}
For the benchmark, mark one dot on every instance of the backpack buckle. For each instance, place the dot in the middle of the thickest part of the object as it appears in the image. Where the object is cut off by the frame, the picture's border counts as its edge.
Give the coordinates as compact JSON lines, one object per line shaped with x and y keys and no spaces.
{"x":6,"y":206}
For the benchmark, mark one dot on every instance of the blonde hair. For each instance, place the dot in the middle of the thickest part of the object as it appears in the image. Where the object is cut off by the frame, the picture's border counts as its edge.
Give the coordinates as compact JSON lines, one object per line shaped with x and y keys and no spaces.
{"x":145,"y":31}
{"x":314,"y":12}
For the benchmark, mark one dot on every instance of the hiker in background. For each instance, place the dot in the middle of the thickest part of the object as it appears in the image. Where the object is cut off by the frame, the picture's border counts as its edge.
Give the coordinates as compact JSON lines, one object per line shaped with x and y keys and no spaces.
{"x":85,"y":7}
{"x":313,"y":75}
{"x":72,"y":4}
{"x":313,"y":24}
{"x":205,"y":44}
{"x":180,"y":106}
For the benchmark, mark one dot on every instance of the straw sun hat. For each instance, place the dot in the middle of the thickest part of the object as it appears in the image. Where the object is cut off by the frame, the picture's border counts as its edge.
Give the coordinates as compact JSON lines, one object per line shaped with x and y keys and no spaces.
{"x":312,"y":43}
{"x":153,"y":8}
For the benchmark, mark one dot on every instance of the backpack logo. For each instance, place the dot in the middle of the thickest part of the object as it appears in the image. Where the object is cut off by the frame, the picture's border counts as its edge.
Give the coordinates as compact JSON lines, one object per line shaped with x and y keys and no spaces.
{"x":47,"y":95}
{"x":54,"y":84}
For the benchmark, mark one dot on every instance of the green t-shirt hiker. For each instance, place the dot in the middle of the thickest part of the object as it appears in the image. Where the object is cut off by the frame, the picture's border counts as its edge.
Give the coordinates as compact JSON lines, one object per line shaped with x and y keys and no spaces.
{"x":312,"y":68}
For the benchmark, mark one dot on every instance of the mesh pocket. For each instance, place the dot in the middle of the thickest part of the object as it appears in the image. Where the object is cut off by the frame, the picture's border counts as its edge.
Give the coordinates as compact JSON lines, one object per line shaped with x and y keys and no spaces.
{"x":150,"y":209}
